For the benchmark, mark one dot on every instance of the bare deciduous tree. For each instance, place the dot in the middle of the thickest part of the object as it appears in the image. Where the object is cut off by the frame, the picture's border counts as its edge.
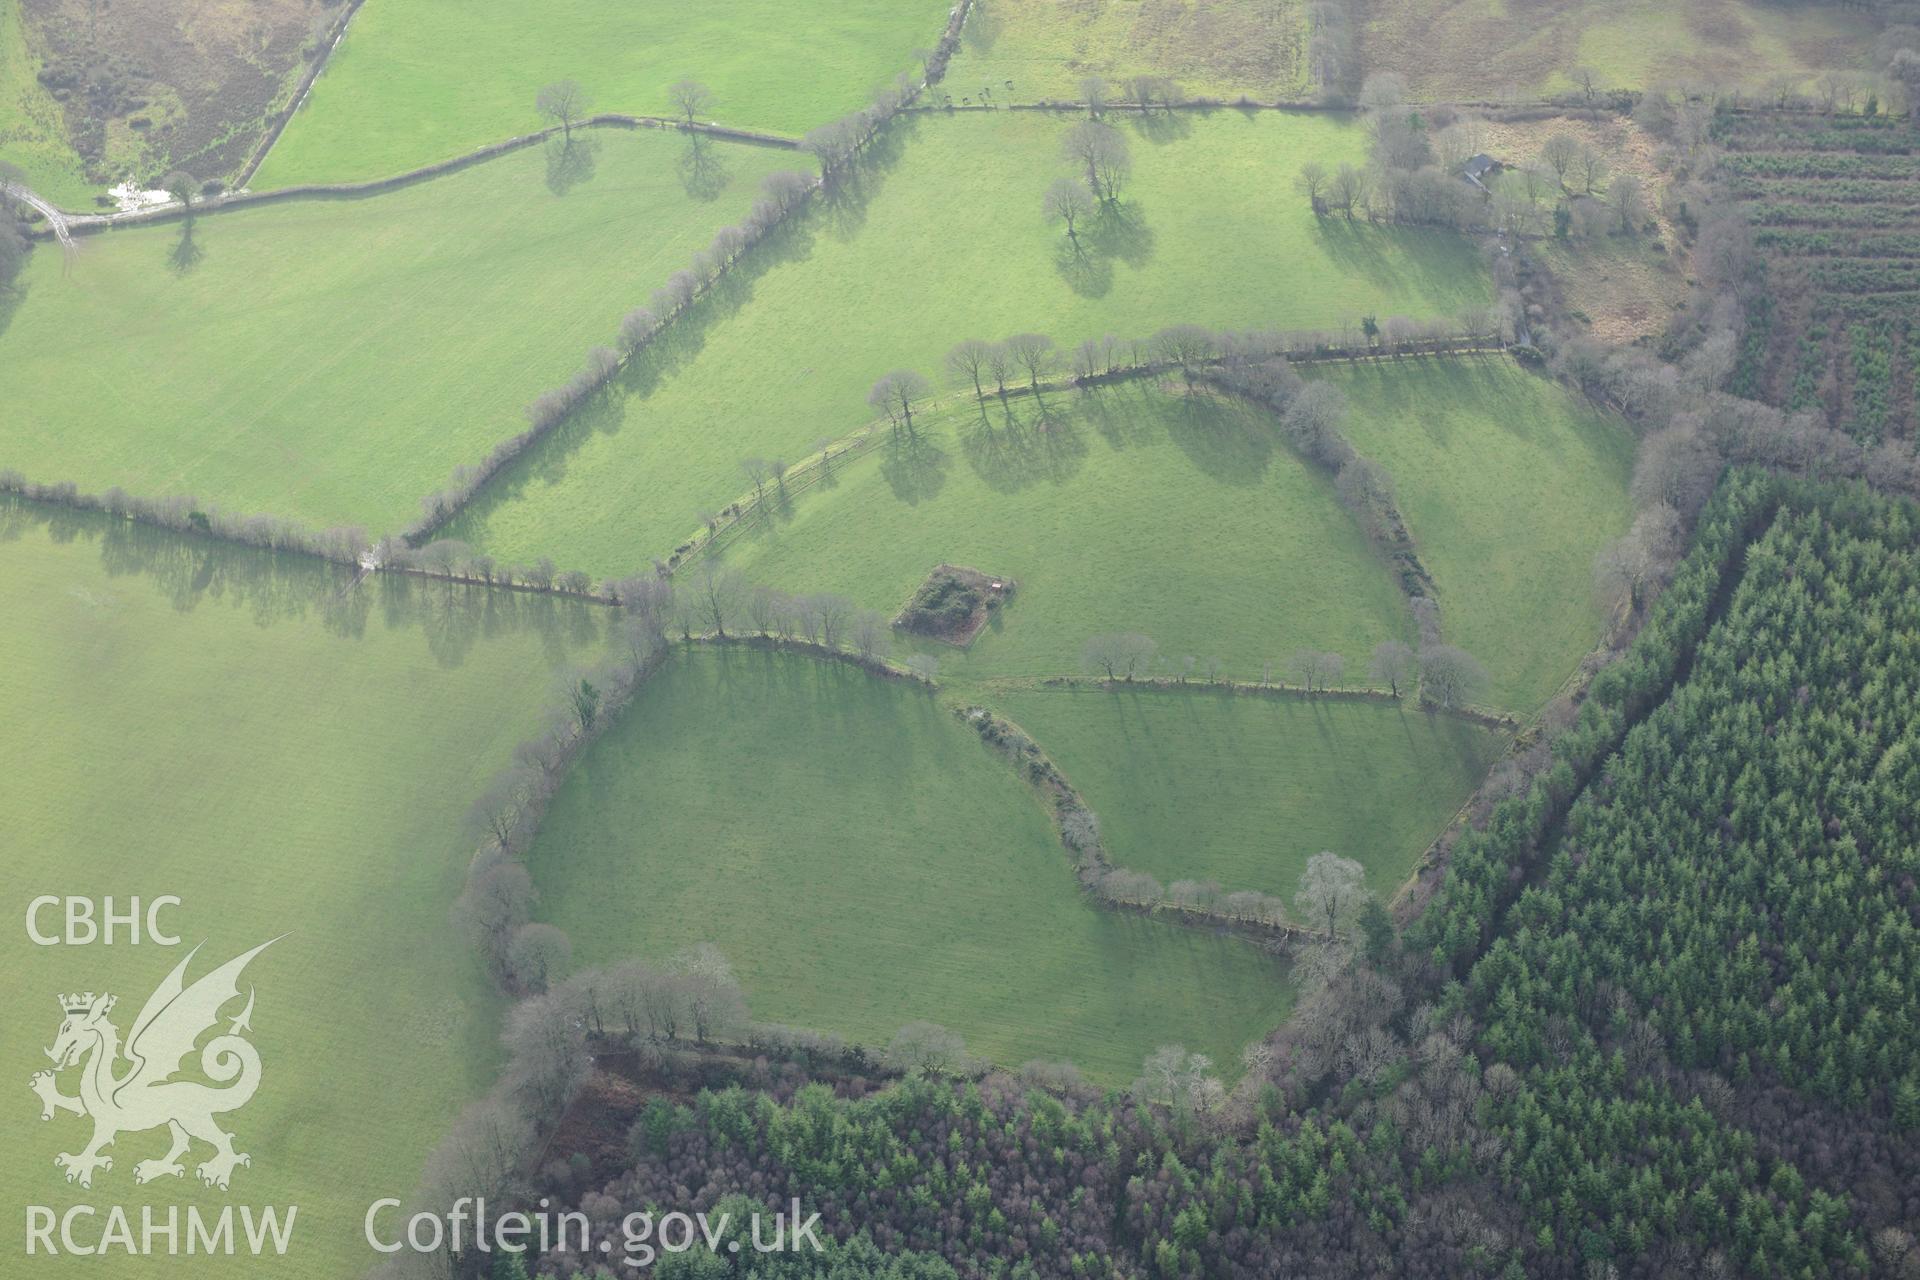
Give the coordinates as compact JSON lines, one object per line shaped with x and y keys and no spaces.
{"x":999,"y":363}
{"x":1637,"y":561}
{"x":756,"y":472}
{"x":1449,"y":677}
{"x":1179,"y":1080}
{"x":764,"y":608}
{"x":1033,"y":353}
{"x":926,"y":1049}
{"x":1332,"y":891}
{"x":1629,"y":203}
{"x":1099,"y":151}
{"x":496,"y":812}
{"x":497,"y":900}
{"x":1187,"y":345}
{"x":564,"y":102}
{"x":1315,"y":669}
{"x":715,"y":596}
{"x":1561,"y":152}
{"x":870,"y":635}
{"x":830,"y":613}
{"x":897,"y":393}
{"x":537,"y":956}
{"x":1348,"y":190}
{"x":714,"y":1002}
{"x":1312,"y":183}
{"x":1393,"y":664}
{"x":547,"y":1053}
{"x":1119,"y":656}
{"x":1068,"y":202}
{"x":1590,"y":165}
{"x":967,"y":359}
{"x":786,"y":188}
{"x":689,"y":98}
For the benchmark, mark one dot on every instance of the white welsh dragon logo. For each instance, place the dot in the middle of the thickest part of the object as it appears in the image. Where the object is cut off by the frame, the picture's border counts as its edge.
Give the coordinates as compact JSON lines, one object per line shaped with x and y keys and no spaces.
{"x":144,"y":1095}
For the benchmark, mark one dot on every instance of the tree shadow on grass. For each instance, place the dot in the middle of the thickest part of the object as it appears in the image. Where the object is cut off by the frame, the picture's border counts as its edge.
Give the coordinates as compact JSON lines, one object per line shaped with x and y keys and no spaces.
{"x":1120,"y":231}
{"x":12,"y":296}
{"x":844,"y":203}
{"x":1042,"y":441}
{"x":915,"y":468}
{"x":1088,"y":274}
{"x":1106,"y":408}
{"x":984,"y":25}
{"x":571,"y":163}
{"x":1222,"y":440}
{"x":1060,"y":444}
{"x":192,"y":572}
{"x":187,"y":251}
{"x":703,"y":172}
{"x":454,"y":617}
{"x":1161,"y":127}
{"x":1433,"y":266}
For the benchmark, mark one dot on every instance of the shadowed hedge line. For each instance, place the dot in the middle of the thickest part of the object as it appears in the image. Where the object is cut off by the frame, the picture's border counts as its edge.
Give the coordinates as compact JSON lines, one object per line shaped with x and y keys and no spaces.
{"x":1281,"y":689}
{"x":1260,"y":917}
{"x":836,"y":145}
{"x":183,"y":513}
{"x":1202,"y":355}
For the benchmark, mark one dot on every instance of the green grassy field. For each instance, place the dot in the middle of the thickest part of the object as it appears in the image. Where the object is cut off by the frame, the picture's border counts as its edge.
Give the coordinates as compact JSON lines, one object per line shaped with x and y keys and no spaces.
{"x":1468,"y":49}
{"x":184,"y":718}
{"x":1510,"y":485}
{"x":1041,"y":50}
{"x":416,"y":81}
{"x":864,"y":861}
{"x":945,"y":240}
{"x":1130,"y":507}
{"x":333,"y":360}
{"x":32,"y":133}
{"x":1243,"y":790}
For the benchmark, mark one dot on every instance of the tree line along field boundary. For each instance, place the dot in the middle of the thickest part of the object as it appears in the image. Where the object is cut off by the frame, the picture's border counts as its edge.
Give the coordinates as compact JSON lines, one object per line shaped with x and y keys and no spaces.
{"x":1255,"y":917}
{"x":1276,"y":690}
{"x":1544,"y":108}
{"x":446,"y":504}
{"x":838,"y":146}
{"x":815,"y":466}
{"x":515,"y":804}
{"x":350,"y":546}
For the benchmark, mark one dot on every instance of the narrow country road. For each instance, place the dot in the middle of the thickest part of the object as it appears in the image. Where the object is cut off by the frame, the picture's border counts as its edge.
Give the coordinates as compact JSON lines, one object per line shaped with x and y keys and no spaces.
{"x":55,"y":219}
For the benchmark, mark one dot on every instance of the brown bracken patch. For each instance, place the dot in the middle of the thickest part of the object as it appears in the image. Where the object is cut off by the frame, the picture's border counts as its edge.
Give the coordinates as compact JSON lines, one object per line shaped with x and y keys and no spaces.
{"x":150,"y":85}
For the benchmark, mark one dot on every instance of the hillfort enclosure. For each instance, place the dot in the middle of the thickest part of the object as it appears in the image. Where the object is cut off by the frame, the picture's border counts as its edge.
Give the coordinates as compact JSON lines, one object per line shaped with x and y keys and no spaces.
{"x":1013,"y":640}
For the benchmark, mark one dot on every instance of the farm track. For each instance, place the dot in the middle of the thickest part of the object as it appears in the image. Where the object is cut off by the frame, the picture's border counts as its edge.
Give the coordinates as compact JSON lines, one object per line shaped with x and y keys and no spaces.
{"x":85,"y":223}
{"x":57,"y":219}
